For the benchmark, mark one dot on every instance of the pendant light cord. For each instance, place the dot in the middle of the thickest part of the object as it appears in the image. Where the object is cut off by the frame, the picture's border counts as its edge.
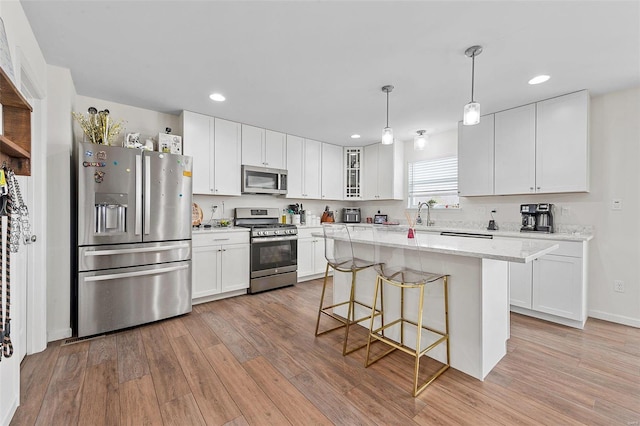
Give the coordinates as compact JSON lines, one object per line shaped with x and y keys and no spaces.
{"x":473,"y":65}
{"x":387,"y":108}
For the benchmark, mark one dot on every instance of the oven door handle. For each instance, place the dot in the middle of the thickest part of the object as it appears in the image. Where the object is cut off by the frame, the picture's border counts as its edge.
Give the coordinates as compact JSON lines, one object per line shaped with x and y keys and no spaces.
{"x":274,"y":239}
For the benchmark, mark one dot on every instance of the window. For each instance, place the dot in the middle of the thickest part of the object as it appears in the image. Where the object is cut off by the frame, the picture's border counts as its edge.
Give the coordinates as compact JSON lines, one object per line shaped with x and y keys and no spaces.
{"x":434,"y":179}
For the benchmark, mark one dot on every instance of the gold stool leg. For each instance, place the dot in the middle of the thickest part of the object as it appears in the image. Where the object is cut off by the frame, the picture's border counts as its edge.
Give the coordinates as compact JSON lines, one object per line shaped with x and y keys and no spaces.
{"x":373,"y":311}
{"x":350,"y":314}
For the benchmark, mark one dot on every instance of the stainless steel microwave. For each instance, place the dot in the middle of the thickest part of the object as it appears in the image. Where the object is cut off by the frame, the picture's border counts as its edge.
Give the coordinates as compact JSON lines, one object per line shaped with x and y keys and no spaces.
{"x":263,"y":180}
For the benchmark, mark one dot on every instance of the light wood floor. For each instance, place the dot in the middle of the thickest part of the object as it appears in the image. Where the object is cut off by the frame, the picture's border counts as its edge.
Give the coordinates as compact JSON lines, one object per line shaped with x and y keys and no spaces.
{"x":254,"y":360}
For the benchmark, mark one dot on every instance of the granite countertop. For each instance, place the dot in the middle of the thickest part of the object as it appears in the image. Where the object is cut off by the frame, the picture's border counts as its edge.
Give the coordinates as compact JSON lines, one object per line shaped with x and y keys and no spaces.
{"x":556,"y":236}
{"x":203,"y":230}
{"x":508,"y":249}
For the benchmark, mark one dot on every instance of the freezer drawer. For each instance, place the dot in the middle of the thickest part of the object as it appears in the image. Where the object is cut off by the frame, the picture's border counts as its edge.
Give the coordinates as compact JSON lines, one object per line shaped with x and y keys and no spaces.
{"x":119,"y":298}
{"x":93,"y":258}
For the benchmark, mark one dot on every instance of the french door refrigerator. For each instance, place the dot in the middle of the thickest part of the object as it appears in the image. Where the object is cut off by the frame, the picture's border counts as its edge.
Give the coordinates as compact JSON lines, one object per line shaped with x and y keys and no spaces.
{"x":132,"y":257}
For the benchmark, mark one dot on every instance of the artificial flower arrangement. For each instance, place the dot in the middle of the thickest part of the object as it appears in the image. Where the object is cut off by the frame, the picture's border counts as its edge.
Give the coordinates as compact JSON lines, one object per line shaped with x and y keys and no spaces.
{"x":98,"y":126}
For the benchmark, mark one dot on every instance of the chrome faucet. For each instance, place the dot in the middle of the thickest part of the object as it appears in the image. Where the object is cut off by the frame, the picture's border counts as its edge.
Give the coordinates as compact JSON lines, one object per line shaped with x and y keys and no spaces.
{"x":419,"y":219}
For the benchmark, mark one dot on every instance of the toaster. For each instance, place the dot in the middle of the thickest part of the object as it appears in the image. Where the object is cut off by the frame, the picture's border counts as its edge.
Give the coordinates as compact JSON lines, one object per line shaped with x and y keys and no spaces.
{"x":351,"y":215}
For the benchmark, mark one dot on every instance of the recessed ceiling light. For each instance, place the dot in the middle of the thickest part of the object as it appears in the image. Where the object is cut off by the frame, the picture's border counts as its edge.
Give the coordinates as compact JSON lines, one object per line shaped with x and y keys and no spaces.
{"x":539,"y":79}
{"x":217,"y":97}
{"x":356,"y":136}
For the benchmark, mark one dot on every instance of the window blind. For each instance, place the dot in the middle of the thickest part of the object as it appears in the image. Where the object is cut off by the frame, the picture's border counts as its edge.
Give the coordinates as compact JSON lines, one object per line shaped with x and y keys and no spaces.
{"x":433,"y":177}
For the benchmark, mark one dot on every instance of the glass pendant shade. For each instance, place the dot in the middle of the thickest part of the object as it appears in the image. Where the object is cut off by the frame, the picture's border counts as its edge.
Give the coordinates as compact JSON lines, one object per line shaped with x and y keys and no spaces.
{"x":419,"y":142}
{"x":471,"y":114}
{"x":387,"y":136}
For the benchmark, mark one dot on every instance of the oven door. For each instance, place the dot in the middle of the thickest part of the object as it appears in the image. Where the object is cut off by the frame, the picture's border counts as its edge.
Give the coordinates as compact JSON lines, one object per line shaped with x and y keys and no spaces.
{"x":273,"y":255}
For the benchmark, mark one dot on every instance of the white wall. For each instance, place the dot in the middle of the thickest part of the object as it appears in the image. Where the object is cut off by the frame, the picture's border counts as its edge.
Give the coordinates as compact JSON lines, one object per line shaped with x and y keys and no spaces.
{"x":614,"y":253}
{"x":25,"y":50}
{"x":60,"y":100}
{"x":136,"y":120}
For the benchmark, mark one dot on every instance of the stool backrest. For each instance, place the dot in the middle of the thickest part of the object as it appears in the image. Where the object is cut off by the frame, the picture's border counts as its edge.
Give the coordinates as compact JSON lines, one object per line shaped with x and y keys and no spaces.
{"x":391,"y":243}
{"x":337,"y":253}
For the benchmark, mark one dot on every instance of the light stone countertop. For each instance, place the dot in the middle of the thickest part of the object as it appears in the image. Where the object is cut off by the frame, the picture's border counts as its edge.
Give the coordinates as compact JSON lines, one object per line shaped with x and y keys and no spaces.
{"x":509,"y":249}
{"x":202,"y":230}
{"x":556,"y":236}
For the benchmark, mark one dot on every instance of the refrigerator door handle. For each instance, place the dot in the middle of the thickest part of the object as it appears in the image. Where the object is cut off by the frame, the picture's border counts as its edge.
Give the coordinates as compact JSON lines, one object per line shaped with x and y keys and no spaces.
{"x":138,"y":226}
{"x":147,"y":194}
{"x":135,"y":274}
{"x":135,"y":250}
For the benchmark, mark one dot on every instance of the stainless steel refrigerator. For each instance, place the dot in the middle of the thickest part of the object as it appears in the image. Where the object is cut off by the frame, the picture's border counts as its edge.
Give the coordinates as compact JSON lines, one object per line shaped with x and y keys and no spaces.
{"x":132,"y":238}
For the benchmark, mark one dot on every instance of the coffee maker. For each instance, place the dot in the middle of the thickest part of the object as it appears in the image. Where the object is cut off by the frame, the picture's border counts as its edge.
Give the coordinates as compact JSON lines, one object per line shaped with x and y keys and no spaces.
{"x":537,"y":217}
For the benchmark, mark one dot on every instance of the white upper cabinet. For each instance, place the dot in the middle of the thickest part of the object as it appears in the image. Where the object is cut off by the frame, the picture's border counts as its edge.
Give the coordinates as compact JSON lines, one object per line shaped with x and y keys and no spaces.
{"x":263,"y":148}
{"x":475,"y":157}
{"x":536,"y":148}
{"x":332,"y":170}
{"x":382,"y":171}
{"x":253,"y":146}
{"x":515,"y":150}
{"x":226,"y":159}
{"x":275,"y":150}
{"x":215,"y":147}
{"x":197,"y":143}
{"x":562,"y":148}
{"x":304,"y":163}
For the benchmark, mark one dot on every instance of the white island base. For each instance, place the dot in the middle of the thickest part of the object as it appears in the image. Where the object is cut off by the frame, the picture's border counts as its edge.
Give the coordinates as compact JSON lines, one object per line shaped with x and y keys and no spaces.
{"x":478,"y":299}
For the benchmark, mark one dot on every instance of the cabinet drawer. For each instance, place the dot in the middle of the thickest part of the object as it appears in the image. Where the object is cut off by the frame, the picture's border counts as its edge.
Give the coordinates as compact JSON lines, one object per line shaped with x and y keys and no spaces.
{"x":307,"y":231}
{"x":220,"y":237}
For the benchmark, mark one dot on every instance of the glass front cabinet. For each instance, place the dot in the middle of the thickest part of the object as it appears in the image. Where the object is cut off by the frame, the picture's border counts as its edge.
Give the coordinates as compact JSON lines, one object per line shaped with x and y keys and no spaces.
{"x":353,"y":175}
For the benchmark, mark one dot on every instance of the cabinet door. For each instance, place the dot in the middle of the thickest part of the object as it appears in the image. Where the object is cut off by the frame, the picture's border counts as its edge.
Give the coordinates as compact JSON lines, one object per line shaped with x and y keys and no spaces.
{"x":275,"y":152}
{"x":370,"y":172}
{"x":520,"y":284}
{"x":198,"y":143}
{"x":305,"y":257}
{"x":295,"y":151}
{"x":515,"y":151}
{"x":204,"y":271}
{"x":312,"y":169}
{"x":319,"y":261}
{"x":562,"y":147}
{"x":386,"y":171}
{"x":332,"y":169}
{"x":557,"y":286}
{"x":227,"y":167}
{"x":234,"y":267}
{"x":253,"y":146}
{"x":475,"y":157}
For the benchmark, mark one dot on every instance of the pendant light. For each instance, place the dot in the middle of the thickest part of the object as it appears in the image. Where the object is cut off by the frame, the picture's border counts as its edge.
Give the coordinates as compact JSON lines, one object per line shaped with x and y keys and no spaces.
{"x":387,"y":132}
{"x":420,"y":140}
{"x":472,"y":109}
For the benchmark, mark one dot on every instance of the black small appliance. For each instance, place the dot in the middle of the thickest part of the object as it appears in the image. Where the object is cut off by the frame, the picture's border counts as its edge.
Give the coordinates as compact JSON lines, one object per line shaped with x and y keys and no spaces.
{"x":537,"y":217}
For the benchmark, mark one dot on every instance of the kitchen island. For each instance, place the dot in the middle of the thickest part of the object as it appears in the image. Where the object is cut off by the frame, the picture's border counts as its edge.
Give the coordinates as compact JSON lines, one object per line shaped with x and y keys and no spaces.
{"x":478,"y":289}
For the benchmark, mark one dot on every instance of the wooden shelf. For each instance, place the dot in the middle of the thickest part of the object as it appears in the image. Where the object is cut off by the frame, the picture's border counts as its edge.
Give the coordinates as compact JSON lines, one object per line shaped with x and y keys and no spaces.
{"x":15,"y":143}
{"x":7,"y":146}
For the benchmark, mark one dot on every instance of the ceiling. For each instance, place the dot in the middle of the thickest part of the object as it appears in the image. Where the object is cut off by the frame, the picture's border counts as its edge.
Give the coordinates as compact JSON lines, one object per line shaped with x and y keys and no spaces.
{"x":316,"y":68}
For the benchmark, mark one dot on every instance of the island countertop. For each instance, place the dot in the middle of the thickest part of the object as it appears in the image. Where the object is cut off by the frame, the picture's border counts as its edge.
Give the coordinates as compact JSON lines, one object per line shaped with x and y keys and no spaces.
{"x":509,"y":249}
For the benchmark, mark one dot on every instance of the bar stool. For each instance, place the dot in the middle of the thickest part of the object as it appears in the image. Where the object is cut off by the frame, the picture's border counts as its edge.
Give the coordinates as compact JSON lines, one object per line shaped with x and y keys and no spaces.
{"x":396,"y":269}
{"x":339,"y":253}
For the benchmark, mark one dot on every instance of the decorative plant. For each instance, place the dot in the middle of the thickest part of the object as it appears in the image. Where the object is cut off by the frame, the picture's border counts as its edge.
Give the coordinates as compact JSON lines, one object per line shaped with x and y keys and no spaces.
{"x":98,"y":126}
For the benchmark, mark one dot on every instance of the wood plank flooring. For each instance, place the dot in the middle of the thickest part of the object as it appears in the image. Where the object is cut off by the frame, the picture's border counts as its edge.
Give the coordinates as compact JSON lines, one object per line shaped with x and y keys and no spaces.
{"x":254,"y":360}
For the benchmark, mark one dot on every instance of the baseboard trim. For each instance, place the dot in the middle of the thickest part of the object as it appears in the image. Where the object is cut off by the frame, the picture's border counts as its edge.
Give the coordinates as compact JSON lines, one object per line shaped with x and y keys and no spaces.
{"x":620,"y":319}
{"x":60,"y":334}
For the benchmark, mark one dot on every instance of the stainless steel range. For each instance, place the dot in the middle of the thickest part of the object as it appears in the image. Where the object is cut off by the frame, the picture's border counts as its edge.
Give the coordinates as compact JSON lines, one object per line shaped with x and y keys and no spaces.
{"x":274,"y":248}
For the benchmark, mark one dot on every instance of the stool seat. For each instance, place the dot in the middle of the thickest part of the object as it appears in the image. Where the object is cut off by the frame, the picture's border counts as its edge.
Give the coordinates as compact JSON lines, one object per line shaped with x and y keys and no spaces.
{"x":408,"y":276}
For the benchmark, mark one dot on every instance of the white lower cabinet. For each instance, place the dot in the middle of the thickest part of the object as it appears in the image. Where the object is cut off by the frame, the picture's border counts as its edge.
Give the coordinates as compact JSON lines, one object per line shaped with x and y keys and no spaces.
{"x":311,"y":260}
{"x":553,"y":287}
{"x":220,"y":264}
